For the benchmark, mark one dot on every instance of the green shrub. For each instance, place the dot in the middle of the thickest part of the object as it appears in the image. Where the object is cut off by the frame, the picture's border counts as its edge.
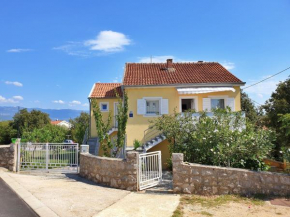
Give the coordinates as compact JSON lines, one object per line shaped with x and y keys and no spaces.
{"x":137,"y":144}
{"x":222,"y":140}
{"x":48,"y":133}
{"x":286,"y":153}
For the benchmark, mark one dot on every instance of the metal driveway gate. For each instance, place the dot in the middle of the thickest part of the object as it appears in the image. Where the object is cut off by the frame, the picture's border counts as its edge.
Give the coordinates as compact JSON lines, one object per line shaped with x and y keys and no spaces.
{"x":150,"y":169}
{"x":55,"y":157}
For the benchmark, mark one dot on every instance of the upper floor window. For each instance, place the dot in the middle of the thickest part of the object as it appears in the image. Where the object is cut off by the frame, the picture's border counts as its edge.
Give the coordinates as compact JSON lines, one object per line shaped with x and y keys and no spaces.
{"x":104,"y":106}
{"x":217,"y":103}
{"x":152,"y":107}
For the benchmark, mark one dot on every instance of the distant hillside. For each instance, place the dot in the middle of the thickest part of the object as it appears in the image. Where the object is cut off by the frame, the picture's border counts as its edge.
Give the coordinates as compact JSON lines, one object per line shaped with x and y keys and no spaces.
{"x":7,"y":113}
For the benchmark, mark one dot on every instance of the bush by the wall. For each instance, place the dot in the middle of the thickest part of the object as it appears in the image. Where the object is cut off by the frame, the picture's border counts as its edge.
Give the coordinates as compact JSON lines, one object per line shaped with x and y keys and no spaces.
{"x":222,"y":140}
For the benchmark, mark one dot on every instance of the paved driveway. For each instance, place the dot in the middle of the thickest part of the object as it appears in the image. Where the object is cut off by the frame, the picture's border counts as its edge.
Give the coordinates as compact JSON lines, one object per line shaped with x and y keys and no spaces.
{"x":11,"y":205}
{"x":71,"y":195}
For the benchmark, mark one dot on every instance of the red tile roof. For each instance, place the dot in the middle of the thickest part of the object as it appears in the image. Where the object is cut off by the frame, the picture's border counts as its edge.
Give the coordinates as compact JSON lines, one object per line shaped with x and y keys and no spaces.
{"x":106,"y":90}
{"x":55,"y":122}
{"x":180,"y":73}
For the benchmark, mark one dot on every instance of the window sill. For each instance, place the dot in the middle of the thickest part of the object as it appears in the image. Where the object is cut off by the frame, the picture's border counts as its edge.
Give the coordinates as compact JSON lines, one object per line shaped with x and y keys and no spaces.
{"x":151,"y":115}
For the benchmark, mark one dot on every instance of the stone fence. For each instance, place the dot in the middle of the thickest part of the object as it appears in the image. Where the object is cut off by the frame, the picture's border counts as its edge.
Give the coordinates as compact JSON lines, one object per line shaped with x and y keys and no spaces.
{"x":113,"y":172}
{"x":211,"y":180}
{"x":8,"y":156}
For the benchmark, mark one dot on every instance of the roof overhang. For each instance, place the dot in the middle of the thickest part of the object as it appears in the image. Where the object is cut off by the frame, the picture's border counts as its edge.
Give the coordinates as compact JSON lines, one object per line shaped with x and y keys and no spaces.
{"x":92,"y":91}
{"x":198,"y":90}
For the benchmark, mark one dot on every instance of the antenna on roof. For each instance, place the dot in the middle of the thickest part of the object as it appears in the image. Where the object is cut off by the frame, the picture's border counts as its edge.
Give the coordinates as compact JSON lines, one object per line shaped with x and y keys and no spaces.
{"x":151,"y":59}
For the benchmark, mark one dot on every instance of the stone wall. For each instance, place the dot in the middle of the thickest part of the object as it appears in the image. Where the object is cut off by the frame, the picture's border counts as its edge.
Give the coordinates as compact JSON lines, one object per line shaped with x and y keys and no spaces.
{"x":113,"y":172}
{"x":211,"y":180}
{"x":8,"y":156}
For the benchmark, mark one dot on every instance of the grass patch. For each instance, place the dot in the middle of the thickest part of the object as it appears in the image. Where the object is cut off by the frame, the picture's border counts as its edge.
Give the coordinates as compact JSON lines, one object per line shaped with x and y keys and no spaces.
{"x":215,"y":201}
{"x":206,"y":213}
{"x":178,"y":212}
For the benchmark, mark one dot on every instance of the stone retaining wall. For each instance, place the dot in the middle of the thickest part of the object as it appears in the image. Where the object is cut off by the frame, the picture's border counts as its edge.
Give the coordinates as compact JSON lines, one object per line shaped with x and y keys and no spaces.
{"x":212,"y":180}
{"x":8,"y":157}
{"x":113,"y":172}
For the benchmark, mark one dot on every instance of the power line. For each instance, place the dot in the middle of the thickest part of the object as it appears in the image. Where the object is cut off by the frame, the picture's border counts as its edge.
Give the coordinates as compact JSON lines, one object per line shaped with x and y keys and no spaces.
{"x":256,"y":102}
{"x":267,"y":78}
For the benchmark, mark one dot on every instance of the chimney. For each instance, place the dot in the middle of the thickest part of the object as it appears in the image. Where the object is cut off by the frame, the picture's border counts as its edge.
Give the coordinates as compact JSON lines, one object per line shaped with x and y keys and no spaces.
{"x":169,"y":63}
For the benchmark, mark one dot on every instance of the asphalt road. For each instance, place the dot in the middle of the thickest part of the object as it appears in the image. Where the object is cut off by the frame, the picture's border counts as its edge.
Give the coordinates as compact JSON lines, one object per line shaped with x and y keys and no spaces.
{"x":11,"y":205}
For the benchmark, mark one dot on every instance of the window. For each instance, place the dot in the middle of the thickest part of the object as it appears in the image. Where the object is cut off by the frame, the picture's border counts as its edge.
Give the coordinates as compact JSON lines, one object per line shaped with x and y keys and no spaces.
{"x":217,"y":103}
{"x":104,"y":106}
{"x":152,"y":107}
{"x":187,"y":104}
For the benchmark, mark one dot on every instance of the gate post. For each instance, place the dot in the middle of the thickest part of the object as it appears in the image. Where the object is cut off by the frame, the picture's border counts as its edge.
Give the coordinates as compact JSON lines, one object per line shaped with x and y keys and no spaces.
{"x":160,"y":165}
{"x":46,"y":157}
{"x":18,"y":149}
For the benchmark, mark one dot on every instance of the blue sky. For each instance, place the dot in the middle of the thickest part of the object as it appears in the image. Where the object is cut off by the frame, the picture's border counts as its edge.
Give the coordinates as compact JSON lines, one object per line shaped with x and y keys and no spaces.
{"x":52,"y":52}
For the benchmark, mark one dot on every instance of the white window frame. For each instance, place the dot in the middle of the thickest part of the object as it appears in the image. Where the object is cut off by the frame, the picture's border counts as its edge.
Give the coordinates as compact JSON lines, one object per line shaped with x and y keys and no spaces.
{"x":104,"y":103}
{"x":153,"y":99}
{"x":224,"y":97}
{"x":195,"y":98}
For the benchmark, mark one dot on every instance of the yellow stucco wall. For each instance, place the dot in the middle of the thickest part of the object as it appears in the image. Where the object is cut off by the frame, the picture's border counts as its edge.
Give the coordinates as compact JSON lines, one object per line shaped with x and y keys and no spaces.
{"x":165,"y":155}
{"x":138,"y":124}
{"x":105,"y":114}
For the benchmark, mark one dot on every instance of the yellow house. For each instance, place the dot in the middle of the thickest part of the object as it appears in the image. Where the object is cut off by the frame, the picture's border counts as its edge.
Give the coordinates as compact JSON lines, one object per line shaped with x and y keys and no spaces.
{"x":156,"y":89}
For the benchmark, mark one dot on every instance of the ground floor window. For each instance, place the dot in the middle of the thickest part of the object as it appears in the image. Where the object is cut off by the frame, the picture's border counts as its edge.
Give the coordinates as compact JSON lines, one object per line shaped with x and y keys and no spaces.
{"x":217,"y":103}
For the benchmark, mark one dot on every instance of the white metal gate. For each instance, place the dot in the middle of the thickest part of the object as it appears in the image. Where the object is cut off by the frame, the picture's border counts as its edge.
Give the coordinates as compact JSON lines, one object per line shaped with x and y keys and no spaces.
{"x":56,"y":157}
{"x":150,"y":169}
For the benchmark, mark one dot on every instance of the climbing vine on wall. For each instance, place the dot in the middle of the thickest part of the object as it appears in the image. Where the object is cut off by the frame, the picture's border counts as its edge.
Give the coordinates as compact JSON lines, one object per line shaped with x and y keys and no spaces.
{"x":102,"y":127}
{"x":112,"y":147}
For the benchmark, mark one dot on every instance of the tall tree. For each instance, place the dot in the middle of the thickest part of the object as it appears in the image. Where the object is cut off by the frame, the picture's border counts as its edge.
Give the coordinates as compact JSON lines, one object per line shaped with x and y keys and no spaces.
{"x":6,"y":132}
{"x":277,"y":106}
{"x":79,"y":127}
{"x":28,"y":121}
{"x":279,"y":103}
{"x":248,"y":106}
{"x":49,"y":133}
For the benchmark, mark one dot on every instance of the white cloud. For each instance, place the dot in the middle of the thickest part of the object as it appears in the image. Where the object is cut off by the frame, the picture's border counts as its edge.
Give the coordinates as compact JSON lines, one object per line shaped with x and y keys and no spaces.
{"x":117,"y":80}
{"x":74,"y":103}
{"x":260,"y":95}
{"x":2,"y":99}
{"x":15,"y":83}
{"x":85,"y":104}
{"x":74,"y":49}
{"x":18,"y":50}
{"x":228,"y":65}
{"x":18,"y":97}
{"x":263,"y":91}
{"x":58,"y":101}
{"x":14,"y":99}
{"x":108,"y":41}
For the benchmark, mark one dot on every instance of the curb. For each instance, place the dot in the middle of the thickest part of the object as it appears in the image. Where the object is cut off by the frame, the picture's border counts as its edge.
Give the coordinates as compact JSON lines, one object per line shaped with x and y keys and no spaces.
{"x":35,"y":204}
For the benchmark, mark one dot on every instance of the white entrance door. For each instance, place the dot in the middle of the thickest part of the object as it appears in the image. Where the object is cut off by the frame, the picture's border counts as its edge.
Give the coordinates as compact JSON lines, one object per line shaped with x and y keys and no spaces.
{"x":115,"y":114}
{"x":150,"y":169}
